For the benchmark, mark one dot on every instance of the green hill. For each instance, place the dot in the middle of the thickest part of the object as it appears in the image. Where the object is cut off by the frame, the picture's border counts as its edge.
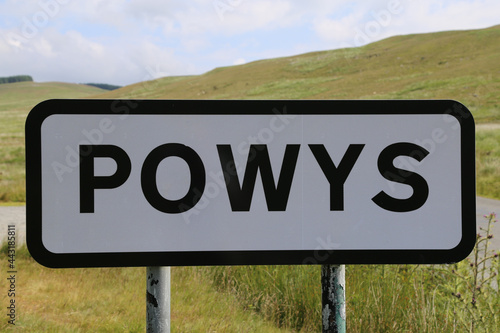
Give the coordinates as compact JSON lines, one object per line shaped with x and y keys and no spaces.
{"x":461,"y":65}
{"x":24,"y":95}
{"x":16,"y":99}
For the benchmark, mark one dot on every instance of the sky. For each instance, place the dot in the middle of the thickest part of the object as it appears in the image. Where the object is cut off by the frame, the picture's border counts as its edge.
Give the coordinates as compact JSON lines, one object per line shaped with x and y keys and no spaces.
{"x":127,"y":41}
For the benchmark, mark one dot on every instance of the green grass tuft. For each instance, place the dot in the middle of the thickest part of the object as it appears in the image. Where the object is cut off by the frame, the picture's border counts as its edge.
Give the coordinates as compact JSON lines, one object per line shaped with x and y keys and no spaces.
{"x":488,"y":162}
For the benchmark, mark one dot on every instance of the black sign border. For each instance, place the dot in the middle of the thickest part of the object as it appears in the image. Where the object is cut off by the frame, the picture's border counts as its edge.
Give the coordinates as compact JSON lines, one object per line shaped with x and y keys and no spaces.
{"x":246,"y":107}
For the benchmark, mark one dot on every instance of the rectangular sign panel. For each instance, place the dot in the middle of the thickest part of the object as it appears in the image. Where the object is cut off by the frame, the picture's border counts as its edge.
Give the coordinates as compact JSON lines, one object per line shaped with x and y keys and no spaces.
{"x":172,"y":182}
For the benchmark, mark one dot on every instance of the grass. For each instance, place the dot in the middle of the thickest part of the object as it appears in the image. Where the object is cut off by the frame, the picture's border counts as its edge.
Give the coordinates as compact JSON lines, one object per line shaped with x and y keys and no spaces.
{"x":299,"y":88}
{"x":461,"y":65}
{"x":380,"y":298}
{"x":488,"y":162}
{"x":393,"y":299}
{"x":461,"y":297}
{"x":16,"y":99}
{"x":288,"y":296}
{"x":23,"y":96}
{"x":113,"y":300}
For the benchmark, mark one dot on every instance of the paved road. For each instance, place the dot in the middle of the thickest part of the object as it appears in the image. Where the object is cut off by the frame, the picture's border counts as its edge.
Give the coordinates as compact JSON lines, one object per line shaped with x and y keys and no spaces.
{"x":13,"y":215}
{"x":17,"y":215}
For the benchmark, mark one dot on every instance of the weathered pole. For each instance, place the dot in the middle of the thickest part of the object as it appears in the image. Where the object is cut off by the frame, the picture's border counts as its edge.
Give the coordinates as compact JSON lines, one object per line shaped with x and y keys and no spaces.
{"x":158,"y":299}
{"x":333,"y":298}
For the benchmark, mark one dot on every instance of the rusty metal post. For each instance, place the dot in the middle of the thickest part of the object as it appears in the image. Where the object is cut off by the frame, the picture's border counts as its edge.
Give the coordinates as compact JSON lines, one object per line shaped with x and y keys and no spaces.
{"x":333,"y":298}
{"x":158,"y":300}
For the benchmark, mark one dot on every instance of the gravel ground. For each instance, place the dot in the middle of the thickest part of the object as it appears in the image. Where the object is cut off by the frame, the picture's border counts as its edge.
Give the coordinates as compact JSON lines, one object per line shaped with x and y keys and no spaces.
{"x":17,"y":215}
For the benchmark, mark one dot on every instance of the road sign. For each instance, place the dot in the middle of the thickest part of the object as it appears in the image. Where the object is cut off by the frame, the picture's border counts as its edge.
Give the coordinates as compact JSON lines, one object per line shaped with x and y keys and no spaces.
{"x":176,"y":182}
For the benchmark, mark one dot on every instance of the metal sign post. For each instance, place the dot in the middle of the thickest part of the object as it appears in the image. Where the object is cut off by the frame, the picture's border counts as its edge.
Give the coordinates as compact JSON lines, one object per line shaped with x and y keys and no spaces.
{"x":333,"y":298}
{"x":158,"y":299}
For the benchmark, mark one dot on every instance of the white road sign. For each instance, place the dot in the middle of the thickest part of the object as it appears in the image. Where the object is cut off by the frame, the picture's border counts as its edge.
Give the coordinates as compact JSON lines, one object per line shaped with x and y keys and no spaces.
{"x":150,"y":183}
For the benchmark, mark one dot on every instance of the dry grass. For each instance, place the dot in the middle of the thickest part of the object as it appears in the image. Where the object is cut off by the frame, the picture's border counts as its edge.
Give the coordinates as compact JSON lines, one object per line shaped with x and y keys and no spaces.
{"x":113,"y":300}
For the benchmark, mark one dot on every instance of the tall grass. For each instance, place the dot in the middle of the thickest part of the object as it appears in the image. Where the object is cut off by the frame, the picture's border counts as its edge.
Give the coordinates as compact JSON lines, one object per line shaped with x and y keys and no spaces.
{"x":286,"y":295}
{"x":394,"y":299}
{"x":114,"y":300}
{"x":462,"y":297}
{"x":475,"y":288}
{"x":488,"y":162}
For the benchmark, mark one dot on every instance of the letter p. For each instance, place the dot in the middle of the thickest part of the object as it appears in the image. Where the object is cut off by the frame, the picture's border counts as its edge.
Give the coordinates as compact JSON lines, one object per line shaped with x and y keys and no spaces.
{"x":89,"y":182}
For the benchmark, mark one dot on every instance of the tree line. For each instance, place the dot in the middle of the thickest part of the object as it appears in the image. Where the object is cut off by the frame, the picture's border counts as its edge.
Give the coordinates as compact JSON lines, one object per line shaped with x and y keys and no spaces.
{"x":103,"y":86}
{"x":16,"y":78}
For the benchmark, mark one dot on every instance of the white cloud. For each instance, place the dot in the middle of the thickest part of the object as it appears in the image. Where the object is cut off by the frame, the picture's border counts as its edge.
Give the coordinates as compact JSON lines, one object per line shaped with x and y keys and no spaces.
{"x":375,"y":20}
{"x":195,"y":44}
{"x":231,"y":17}
{"x":239,"y":61}
{"x":429,"y":16}
{"x":124,"y":41}
{"x":72,"y":57}
{"x":339,"y":30}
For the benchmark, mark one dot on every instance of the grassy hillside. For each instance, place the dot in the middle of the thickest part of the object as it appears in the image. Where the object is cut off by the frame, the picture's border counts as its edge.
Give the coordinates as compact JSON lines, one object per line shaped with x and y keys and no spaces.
{"x":23,"y":96}
{"x":16,"y":99}
{"x":461,"y":65}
